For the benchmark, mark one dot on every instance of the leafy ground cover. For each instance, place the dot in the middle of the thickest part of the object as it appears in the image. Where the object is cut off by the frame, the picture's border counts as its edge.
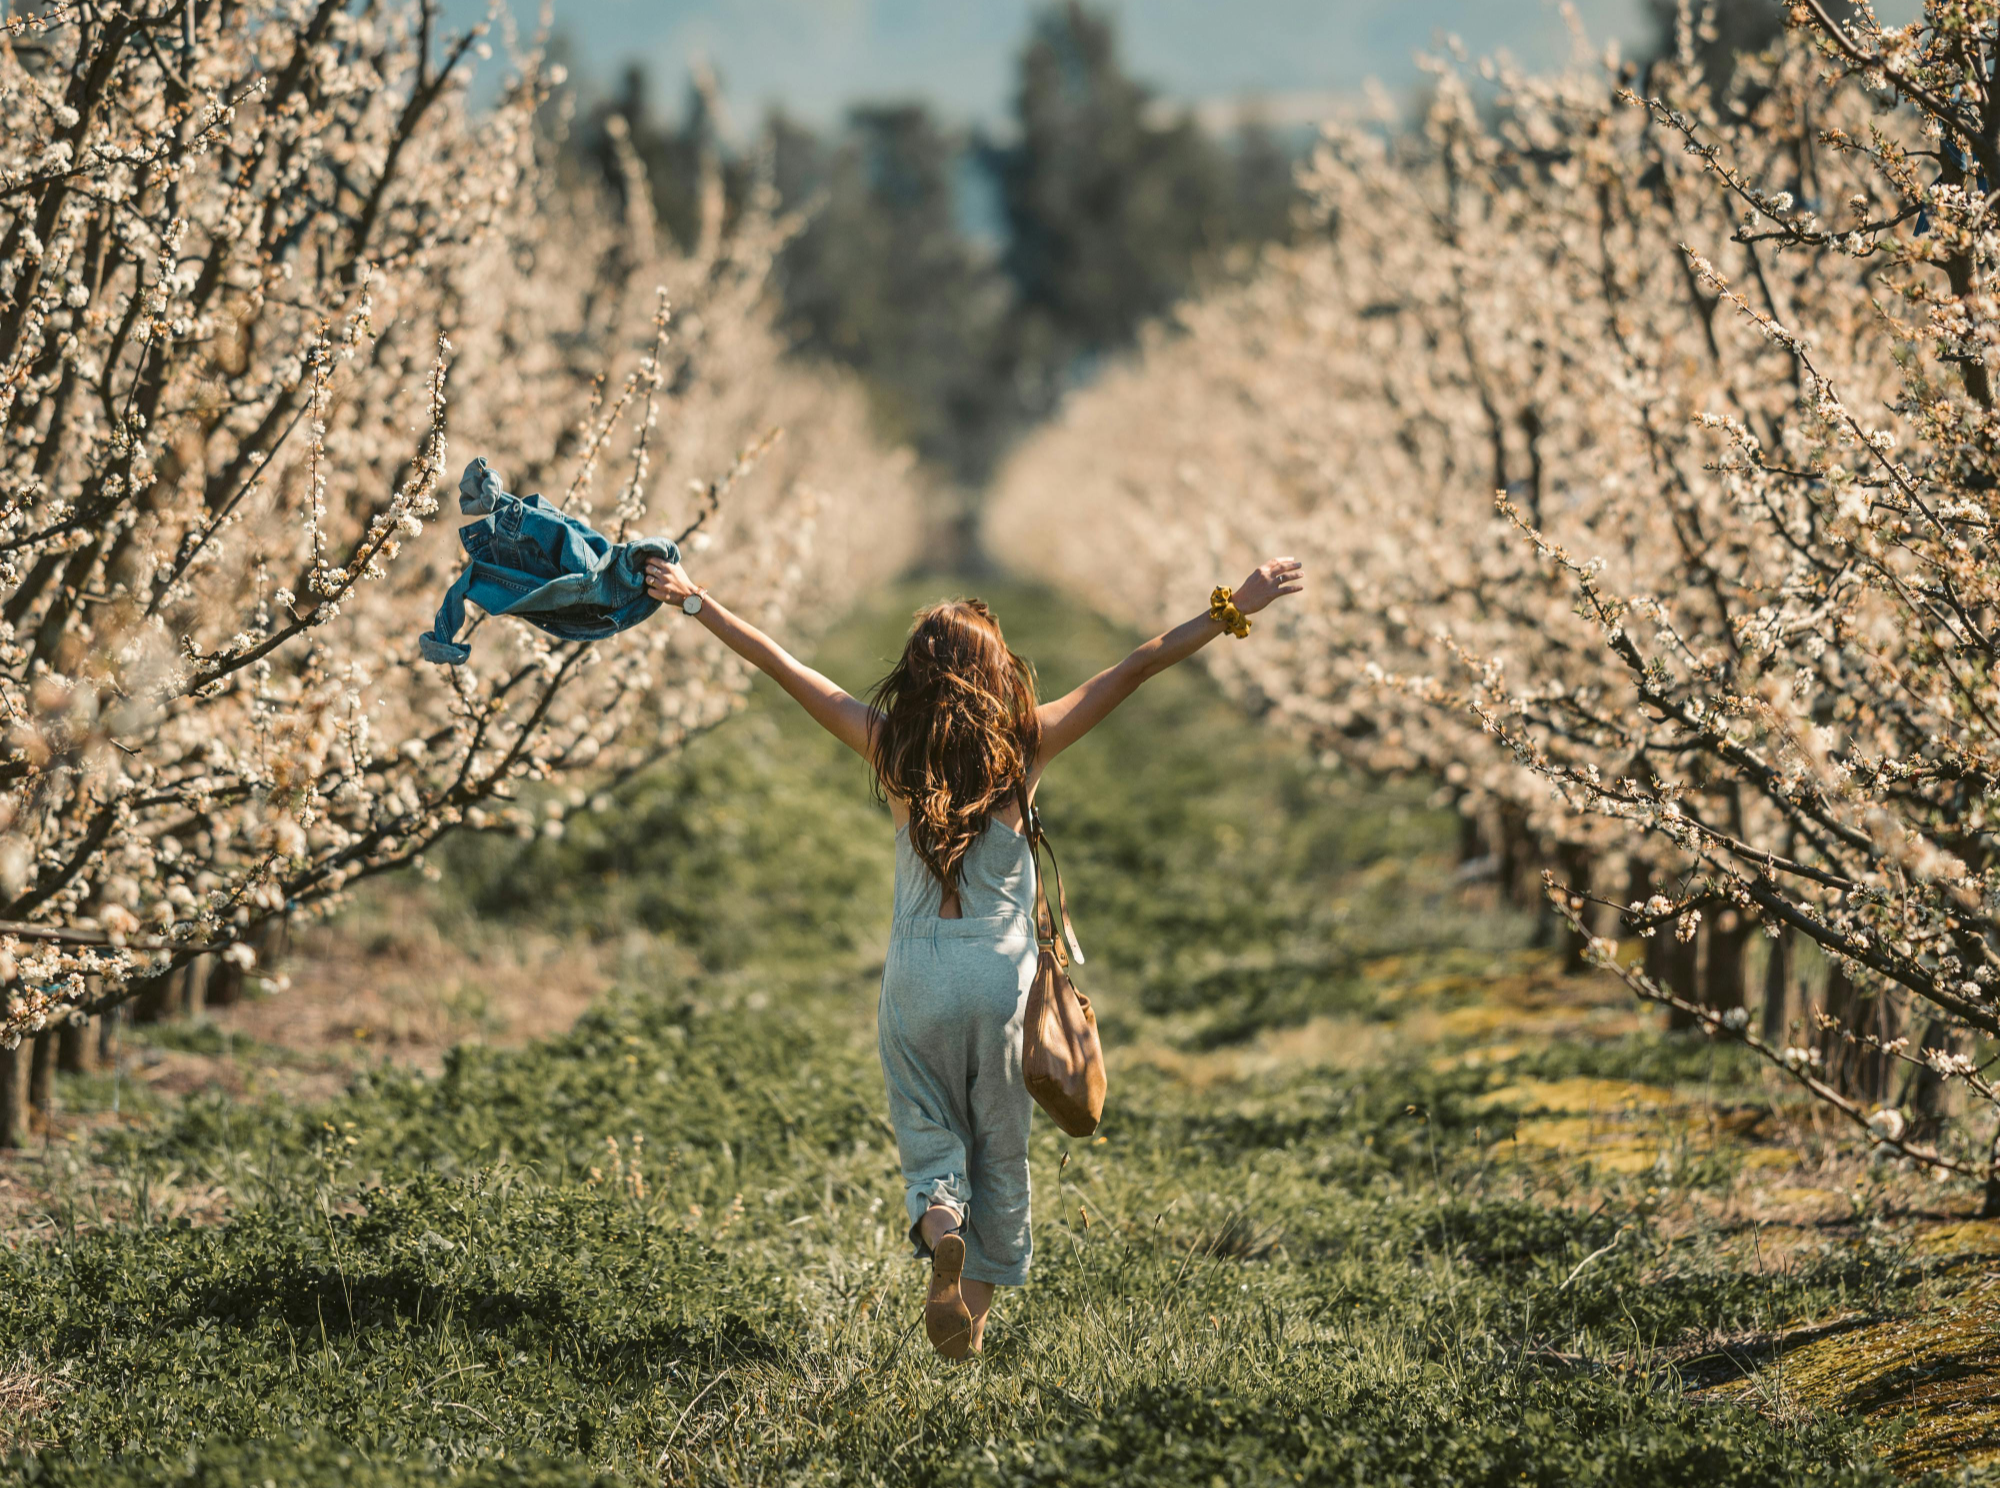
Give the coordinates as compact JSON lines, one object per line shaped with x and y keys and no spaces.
{"x":1382,"y":1197}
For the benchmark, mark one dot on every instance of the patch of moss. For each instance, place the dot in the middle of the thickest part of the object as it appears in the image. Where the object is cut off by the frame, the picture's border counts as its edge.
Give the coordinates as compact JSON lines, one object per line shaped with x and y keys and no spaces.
{"x":1929,"y":1383}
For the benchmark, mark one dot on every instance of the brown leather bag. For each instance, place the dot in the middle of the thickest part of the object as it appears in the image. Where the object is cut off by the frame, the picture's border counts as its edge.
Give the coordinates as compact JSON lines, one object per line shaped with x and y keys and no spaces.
{"x":1062,"y":1062}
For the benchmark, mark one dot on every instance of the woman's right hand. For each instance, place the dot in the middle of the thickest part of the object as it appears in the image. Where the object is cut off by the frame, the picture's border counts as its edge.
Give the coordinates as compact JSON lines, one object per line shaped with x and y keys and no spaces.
{"x":1267,"y":582}
{"x":668,"y":582}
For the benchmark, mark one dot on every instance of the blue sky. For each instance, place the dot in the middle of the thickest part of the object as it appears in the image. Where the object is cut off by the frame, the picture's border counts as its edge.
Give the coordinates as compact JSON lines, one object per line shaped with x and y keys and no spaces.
{"x":816,"y":56}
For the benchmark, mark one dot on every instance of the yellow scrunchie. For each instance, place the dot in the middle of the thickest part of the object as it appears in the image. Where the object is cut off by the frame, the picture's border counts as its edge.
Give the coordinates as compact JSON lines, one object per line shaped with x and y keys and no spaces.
{"x":1222,"y":609}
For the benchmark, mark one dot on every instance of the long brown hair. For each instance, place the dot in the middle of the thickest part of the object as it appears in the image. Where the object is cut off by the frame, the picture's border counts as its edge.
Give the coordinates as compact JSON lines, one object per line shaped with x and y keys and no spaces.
{"x":956,"y":732}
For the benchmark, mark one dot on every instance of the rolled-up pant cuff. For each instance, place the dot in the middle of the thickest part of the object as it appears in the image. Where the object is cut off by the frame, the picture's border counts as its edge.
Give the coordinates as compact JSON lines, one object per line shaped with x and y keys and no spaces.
{"x":934,"y":1193}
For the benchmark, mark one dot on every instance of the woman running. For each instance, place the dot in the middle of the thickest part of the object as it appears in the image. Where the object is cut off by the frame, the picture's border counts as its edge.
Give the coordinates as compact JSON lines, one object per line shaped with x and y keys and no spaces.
{"x":958,"y":744}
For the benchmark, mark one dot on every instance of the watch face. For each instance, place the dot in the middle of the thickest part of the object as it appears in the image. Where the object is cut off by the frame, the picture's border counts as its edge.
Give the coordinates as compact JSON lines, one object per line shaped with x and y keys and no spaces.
{"x":691,"y":605}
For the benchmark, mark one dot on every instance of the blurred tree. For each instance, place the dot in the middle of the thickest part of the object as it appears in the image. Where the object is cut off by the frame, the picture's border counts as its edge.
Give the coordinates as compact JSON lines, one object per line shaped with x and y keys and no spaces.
{"x":672,"y":153}
{"x":1112,"y":202}
{"x":1720,"y":31}
{"x":1111,"y":207}
{"x":1264,"y":189}
{"x":883,"y":278}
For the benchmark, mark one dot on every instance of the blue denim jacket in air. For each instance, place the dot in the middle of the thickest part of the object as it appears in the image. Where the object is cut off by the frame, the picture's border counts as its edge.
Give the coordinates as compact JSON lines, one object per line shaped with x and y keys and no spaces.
{"x":530,"y":560}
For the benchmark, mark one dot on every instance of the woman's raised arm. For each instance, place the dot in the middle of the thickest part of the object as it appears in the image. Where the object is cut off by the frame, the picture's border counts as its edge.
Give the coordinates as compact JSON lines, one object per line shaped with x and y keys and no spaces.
{"x":846,"y":717}
{"x":1075,"y":714}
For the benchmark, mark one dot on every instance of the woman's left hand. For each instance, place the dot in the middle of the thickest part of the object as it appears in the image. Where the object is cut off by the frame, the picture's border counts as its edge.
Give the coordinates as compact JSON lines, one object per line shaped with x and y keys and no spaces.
{"x":1267,"y":582}
{"x":668,"y":582}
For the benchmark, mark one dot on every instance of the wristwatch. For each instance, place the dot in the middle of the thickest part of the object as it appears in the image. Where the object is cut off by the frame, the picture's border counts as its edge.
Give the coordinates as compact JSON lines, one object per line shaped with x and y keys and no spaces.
{"x":691,"y":605}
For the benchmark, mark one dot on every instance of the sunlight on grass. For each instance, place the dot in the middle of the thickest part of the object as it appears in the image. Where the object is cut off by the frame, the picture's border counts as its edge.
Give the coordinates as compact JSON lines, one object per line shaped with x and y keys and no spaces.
{"x":1379,"y":1194}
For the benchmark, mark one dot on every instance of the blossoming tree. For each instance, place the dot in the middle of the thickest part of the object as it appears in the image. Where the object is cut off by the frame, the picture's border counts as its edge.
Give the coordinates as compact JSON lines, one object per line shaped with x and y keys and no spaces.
{"x":265,"y":281}
{"x":1731,"y":620}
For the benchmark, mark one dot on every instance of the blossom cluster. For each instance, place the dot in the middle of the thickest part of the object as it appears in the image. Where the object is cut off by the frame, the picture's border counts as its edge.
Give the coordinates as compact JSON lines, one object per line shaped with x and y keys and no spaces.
{"x":1644,"y":445}
{"x":266,"y":282}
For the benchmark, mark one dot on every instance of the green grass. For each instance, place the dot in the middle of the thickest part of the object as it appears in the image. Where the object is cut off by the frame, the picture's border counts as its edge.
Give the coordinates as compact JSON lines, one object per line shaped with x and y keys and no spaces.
{"x":667,"y":1246}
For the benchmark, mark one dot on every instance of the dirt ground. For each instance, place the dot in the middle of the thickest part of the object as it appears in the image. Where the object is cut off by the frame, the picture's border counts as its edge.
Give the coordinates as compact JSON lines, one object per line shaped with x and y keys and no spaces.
{"x":381,"y":984}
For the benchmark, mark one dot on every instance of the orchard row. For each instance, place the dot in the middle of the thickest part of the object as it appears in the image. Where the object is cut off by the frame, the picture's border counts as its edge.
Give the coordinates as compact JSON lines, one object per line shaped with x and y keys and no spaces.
{"x":255,"y":259}
{"x":1641,"y":436}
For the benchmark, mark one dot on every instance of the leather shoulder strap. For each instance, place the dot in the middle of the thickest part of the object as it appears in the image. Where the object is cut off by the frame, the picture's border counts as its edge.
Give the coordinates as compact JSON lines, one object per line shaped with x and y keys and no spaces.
{"x":1046,"y":917}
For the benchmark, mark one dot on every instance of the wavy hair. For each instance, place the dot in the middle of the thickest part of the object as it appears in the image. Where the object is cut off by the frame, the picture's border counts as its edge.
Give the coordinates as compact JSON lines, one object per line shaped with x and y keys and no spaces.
{"x":956,"y":732}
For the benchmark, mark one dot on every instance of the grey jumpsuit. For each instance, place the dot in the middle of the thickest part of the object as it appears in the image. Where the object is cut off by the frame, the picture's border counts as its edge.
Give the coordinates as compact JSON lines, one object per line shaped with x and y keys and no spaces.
{"x":949,"y":1025}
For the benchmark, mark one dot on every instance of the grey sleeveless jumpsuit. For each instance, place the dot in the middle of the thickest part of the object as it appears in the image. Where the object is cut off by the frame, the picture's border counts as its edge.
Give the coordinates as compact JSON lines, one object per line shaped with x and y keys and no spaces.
{"x":949,"y":1024}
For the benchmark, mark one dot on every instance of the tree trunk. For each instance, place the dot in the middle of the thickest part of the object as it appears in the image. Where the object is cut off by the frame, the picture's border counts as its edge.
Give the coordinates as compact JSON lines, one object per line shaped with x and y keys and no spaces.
{"x":1853,"y":1067}
{"x":225,"y":982}
{"x":1923,"y":1090}
{"x":14,"y":1095}
{"x":1520,"y":879}
{"x":1990,"y":1208}
{"x":274,"y":940}
{"x":1672,"y":963}
{"x":1838,"y":1003}
{"x":1872,"y":1071}
{"x":1574,"y":865}
{"x":75,"y":1043}
{"x":1723,"y":977}
{"x":76,"y":1047}
{"x":153,"y":998}
{"x":1638,"y":887}
{"x":42,"y":1078}
{"x":1471,"y":847}
{"x":1777,"y":988}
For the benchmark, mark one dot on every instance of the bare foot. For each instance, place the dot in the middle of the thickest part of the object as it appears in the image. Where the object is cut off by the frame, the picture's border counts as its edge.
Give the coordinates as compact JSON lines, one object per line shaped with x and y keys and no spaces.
{"x":979,"y":1302}
{"x":947,"y":1319}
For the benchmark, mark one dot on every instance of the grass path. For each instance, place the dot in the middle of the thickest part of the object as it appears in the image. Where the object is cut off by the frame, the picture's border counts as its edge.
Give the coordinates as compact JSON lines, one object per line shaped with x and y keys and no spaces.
{"x":1380,"y":1197}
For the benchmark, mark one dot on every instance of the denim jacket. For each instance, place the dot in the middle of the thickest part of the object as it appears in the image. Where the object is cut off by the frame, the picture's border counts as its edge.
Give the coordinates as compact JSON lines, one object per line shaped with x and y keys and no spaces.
{"x":530,"y":560}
